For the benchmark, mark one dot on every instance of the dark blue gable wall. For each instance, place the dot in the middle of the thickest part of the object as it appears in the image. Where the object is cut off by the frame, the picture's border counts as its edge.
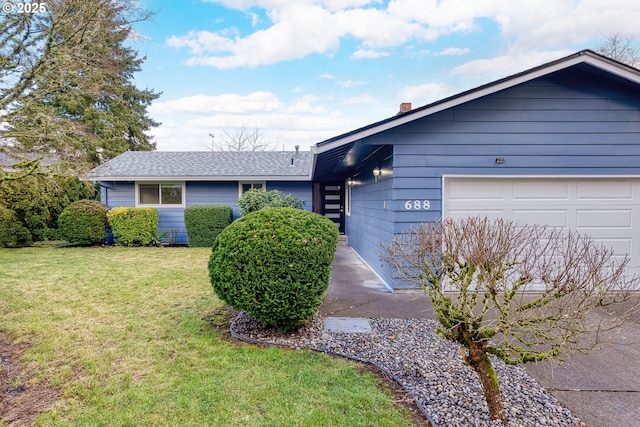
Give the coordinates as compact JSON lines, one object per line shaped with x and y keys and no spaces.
{"x":171,"y":224}
{"x":575,"y":122}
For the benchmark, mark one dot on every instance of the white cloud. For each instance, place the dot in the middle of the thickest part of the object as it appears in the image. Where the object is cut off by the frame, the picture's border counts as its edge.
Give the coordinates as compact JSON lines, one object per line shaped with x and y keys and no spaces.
{"x":305,"y":108}
{"x":368,"y":54}
{"x":426,"y":93}
{"x":328,"y":76}
{"x":351,"y":83}
{"x":362,"y":99}
{"x":505,"y":65}
{"x":453,"y":51}
{"x":307,"y":27}
{"x":187,"y":122}
{"x":228,"y":103}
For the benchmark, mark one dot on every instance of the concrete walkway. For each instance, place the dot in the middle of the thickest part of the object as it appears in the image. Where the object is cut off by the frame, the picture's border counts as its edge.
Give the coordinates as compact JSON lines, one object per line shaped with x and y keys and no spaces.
{"x":602,"y":388}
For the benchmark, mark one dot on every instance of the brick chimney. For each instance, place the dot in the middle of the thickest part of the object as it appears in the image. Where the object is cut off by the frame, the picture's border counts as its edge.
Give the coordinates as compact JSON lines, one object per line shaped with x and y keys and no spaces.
{"x":405,"y":107}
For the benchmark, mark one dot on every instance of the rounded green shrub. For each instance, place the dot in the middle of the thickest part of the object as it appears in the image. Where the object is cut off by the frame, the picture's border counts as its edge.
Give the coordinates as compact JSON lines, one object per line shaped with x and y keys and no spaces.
{"x":12,"y":233}
{"x":134,"y":226}
{"x":275,"y":264}
{"x":257,"y":199}
{"x":205,"y":222}
{"x":84,"y":222}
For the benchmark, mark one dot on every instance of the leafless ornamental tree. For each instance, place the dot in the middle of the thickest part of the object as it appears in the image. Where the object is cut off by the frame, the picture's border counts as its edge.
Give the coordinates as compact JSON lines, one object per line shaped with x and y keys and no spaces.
{"x":521,"y":293}
{"x":244,"y":139}
{"x":620,"y":47}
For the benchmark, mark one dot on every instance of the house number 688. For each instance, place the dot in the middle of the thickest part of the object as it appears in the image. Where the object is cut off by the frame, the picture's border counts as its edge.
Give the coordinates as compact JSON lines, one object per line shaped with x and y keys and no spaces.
{"x":417,"y":205}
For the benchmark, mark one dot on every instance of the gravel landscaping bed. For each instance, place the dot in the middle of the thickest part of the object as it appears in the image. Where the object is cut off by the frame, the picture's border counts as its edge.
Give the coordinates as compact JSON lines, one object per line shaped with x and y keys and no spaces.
{"x":429,"y":367}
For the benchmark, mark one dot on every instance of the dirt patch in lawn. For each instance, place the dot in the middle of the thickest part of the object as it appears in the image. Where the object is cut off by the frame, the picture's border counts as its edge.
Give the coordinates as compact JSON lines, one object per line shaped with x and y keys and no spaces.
{"x":21,"y":399}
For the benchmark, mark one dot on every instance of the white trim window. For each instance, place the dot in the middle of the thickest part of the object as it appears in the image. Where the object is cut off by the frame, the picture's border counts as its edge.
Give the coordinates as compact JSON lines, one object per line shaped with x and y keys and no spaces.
{"x":244,"y":186}
{"x":160,"y":194}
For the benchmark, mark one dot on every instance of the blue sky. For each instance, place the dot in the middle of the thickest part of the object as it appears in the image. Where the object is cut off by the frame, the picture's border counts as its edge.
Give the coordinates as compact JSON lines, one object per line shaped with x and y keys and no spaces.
{"x":302,"y":71}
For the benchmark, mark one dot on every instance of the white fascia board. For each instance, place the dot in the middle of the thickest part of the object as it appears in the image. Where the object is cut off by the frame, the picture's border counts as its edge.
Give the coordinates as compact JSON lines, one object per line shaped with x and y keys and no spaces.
{"x":201,"y":178}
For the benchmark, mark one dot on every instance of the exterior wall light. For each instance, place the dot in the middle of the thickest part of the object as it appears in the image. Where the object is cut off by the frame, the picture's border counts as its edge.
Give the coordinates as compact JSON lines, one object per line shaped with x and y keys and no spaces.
{"x":376,"y":174}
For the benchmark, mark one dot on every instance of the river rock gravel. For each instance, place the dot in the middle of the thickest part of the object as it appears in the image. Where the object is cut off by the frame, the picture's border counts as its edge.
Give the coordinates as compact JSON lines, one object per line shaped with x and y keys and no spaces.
{"x":428,"y":366}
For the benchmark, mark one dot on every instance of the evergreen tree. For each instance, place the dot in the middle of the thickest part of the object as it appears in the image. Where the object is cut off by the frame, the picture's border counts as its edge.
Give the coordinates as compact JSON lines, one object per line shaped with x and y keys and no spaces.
{"x":66,"y":81}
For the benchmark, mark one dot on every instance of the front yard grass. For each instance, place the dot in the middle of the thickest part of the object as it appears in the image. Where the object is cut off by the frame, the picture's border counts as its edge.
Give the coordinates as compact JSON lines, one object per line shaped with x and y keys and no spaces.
{"x":126,"y":337}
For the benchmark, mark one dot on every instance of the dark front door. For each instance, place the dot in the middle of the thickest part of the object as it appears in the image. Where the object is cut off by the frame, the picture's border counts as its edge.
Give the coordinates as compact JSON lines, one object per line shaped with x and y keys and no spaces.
{"x":332,"y":203}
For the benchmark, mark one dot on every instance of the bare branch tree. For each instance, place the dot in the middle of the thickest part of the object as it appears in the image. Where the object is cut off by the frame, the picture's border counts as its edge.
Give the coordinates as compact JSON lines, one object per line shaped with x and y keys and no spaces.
{"x":244,"y":139}
{"x":521,"y":293}
{"x":621,"y":48}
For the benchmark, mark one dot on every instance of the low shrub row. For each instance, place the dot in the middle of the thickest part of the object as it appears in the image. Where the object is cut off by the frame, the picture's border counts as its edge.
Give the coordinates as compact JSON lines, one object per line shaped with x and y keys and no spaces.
{"x":88,"y":222}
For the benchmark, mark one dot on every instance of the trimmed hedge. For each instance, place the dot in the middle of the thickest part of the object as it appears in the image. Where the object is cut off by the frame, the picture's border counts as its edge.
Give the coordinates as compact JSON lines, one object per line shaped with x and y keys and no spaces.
{"x":84,"y":222}
{"x":205,"y":222}
{"x":12,"y":233}
{"x":275,"y":264}
{"x":256,"y":199}
{"x":134,"y":226}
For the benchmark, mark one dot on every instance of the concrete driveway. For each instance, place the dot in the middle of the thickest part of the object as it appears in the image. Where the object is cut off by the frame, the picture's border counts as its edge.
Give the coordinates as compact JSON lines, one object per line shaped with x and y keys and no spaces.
{"x":601,"y":388}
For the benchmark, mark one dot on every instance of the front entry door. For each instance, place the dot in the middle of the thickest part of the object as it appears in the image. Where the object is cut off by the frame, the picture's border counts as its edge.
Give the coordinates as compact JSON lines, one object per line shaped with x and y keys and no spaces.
{"x":332,"y":203}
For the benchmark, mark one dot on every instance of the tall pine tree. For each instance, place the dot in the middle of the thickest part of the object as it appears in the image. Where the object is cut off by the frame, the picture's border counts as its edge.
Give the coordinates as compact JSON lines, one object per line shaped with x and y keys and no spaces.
{"x":66,"y":81}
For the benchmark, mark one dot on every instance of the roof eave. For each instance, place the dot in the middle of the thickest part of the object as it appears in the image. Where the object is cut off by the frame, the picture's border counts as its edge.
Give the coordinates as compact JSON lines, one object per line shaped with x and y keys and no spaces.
{"x":199,"y":178}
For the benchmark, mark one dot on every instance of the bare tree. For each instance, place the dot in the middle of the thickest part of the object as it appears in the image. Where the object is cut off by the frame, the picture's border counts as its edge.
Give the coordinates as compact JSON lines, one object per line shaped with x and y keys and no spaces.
{"x":243,"y":139}
{"x":621,"y":48}
{"x":521,"y":293}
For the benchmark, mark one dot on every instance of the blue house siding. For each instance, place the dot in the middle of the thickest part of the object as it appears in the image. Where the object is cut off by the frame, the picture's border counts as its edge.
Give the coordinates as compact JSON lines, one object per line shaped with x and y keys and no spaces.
{"x":171,"y":220}
{"x":113,"y":194}
{"x":301,"y":190}
{"x":568,"y":123}
{"x":371,"y":218}
{"x":213,"y":193}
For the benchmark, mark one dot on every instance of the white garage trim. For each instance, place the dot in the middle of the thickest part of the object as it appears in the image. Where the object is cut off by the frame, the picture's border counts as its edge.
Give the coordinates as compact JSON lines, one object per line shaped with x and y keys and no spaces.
{"x":605,"y":207}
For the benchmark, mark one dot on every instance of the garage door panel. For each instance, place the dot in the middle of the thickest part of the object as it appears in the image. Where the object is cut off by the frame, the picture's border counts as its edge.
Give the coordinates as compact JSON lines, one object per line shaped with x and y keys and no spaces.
{"x":491,"y":190}
{"x":553,"y":218}
{"x":607,"y":209}
{"x":603,"y":219}
{"x":620,"y":247}
{"x":536,"y":190}
{"x":493,"y":214}
{"x":604,"y":190}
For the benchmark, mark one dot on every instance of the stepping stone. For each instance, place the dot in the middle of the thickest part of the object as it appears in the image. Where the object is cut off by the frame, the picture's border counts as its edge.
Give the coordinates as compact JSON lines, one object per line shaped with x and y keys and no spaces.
{"x":347,"y":325}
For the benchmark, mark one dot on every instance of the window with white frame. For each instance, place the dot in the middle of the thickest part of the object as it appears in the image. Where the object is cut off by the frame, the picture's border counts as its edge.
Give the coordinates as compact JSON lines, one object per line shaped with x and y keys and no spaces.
{"x":160,"y":194}
{"x":245,"y":186}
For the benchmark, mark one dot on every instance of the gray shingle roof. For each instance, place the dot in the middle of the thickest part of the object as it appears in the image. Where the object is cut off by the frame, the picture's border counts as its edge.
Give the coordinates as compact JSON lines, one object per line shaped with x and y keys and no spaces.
{"x":204,"y":165}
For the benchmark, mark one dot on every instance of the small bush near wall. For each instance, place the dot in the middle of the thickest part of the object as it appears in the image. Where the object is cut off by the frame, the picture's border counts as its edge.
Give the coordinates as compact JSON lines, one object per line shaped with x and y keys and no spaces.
{"x":12,"y":233}
{"x":134,"y":226}
{"x":254,"y":200}
{"x":205,"y":222}
{"x":275,"y":264}
{"x":84,"y":222}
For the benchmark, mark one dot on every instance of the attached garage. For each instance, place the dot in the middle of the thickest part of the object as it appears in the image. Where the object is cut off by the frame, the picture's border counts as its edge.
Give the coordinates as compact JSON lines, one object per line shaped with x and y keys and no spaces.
{"x":605,"y":208}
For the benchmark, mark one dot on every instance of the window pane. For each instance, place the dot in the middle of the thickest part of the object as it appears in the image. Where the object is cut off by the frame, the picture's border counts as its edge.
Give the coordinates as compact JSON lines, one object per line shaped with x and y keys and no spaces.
{"x":257,"y":185}
{"x":149,"y":194}
{"x":171,"y":194}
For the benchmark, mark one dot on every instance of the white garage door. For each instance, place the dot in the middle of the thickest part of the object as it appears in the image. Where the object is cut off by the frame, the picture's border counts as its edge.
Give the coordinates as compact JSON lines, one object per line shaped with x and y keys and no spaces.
{"x":607,"y":209}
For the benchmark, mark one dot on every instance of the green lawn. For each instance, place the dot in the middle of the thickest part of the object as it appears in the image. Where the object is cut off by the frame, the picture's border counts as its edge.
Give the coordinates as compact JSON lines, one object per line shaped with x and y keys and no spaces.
{"x":128,"y":337}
